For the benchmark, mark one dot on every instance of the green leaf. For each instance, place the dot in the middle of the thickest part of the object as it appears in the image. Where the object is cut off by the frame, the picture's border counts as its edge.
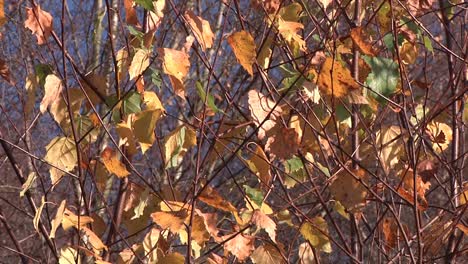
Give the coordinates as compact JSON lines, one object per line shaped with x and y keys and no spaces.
{"x":295,"y":168}
{"x":146,"y":4}
{"x":254,"y":194}
{"x":42,"y":70}
{"x":210,"y":100}
{"x":383,"y":78}
{"x":129,"y":105}
{"x":156,"y":78}
{"x":135,"y":32}
{"x":428,"y":43}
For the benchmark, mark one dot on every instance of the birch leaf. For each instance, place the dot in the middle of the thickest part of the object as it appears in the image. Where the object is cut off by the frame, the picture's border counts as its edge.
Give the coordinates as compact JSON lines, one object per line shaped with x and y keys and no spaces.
{"x":317,"y":234}
{"x":266,"y":254}
{"x":139,"y":63}
{"x":113,"y":164}
{"x":177,"y":65}
{"x":201,"y":29}
{"x":53,"y":87}
{"x":39,"y":22}
{"x":58,"y":219}
{"x":243,"y":46}
{"x":61,"y":152}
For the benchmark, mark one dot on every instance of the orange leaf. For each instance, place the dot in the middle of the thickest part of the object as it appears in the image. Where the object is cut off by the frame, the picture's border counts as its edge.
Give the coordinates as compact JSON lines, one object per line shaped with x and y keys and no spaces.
{"x":130,"y":13}
{"x":176,"y":64}
{"x":201,"y":29}
{"x":72,"y":220}
{"x":94,"y":240}
{"x":357,"y":35}
{"x":113,"y":164}
{"x":243,"y":46}
{"x":282,"y":142}
{"x":174,"y":221}
{"x":211,"y":197}
{"x":334,"y":79}
{"x":348,"y":190}
{"x":391,"y":232}
{"x":39,"y":22}
{"x":263,"y":221}
{"x":240,"y":246}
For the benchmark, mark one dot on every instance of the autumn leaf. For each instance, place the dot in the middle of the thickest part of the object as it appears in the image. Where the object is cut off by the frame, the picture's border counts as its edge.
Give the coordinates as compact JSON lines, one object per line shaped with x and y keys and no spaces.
{"x":177,"y":143}
{"x":130,"y":13}
{"x":172,"y":258}
{"x":5,"y":71}
{"x":139,"y":64}
{"x":2,"y":13}
{"x":58,"y":219}
{"x":264,"y":222}
{"x":176,"y":64}
{"x":347,"y":189}
{"x":243,"y":46}
{"x":334,"y":79}
{"x":266,"y":254}
{"x":289,"y":29}
{"x":143,"y":128}
{"x":93,"y":239}
{"x":37,"y":215}
{"x":211,"y":197}
{"x":155,"y":16}
{"x":126,"y":138}
{"x":406,"y":190}
{"x":68,"y":255}
{"x":201,"y":29}
{"x":306,"y":254}
{"x":316,"y":232}
{"x":260,"y":107}
{"x":359,"y":39}
{"x":113,"y":164}
{"x":39,"y":22}
{"x":174,"y":221}
{"x":72,"y":220}
{"x":440,"y":135}
{"x":61,"y":152}
{"x":53,"y":87}
{"x":282,"y":142}
{"x":390,"y":146}
{"x":150,"y":244}
{"x":392,"y":234}
{"x":260,"y":166}
{"x":99,"y":84}
{"x":408,"y":52}
{"x":241,"y":246}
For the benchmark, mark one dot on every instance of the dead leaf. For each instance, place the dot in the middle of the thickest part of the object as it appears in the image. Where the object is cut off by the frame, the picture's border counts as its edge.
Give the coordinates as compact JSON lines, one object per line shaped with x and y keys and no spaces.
{"x":58,"y":219}
{"x":266,"y":254}
{"x":306,"y":254}
{"x":390,"y":145}
{"x":113,"y":163}
{"x":53,"y":87}
{"x":174,"y":221}
{"x":241,"y":246}
{"x":288,"y":30}
{"x":360,"y":40}
{"x":172,"y":258}
{"x":350,"y":191}
{"x":201,"y":29}
{"x":72,"y":220}
{"x":177,"y":65}
{"x":406,"y":189}
{"x":264,"y":222}
{"x":408,"y":52}
{"x":130,"y":13}
{"x":5,"y":71}
{"x":260,"y":165}
{"x":243,"y":46}
{"x":271,"y":6}
{"x":440,"y":134}
{"x":392,"y":234}
{"x":260,"y":107}
{"x":334,"y":79}
{"x":154,"y":18}
{"x":211,"y":197}
{"x":2,"y":13}
{"x":94,"y":240}
{"x":150,"y":244}
{"x":282,"y":142}
{"x":40,"y":23}
{"x":139,"y":64}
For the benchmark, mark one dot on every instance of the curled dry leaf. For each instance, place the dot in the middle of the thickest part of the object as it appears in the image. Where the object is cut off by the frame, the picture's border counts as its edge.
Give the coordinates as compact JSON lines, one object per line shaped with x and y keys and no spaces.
{"x":406,"y":189}
{"x":349,"y":189}
{"x":260,"y":107}
{"x":201,"y":29}
{"x":243,"y":46}
{"x":58,"y":219}
{"x":176,"y":64}
{"x":334,"y":79}
{"x":211,"y":197}
{"x":113,"y":164}
{"x":39,"y":22}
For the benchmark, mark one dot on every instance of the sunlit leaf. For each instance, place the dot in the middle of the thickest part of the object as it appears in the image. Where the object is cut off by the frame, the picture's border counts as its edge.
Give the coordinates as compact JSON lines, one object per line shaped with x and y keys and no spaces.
{"x":349,"y":189}
{"x":68,"y":255}
{"x":72,"y":220}
{"x":40,"y":23}
{"x":260,"y":107}
{"x":201,"y":29}
{"x":172,"y":258}
{"x":334,"y":79}
{"x":264,"y":222}
{"x":176,"y":64}
{"x":139,"y":63}
{"x":61,"y":152}
{"x":177,"y":144}
{"x":243,"y":46}
{"x":37,"y":216}
{"x":113,"y":164}
{"x":53,"y":87}
{"x":174,"y":221}
{"x":150,"y":244}
{"x":58,"y":219}
{"x":358,"y":37}
{"x":241,"y":246}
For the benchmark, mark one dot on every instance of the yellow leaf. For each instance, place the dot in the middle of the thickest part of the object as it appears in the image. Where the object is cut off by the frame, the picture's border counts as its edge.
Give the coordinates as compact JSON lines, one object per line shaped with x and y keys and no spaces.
{"x":390,"y":146}
{"x":177,"y":143}
{"x":40,"y":23}
{"x":68,"y":255}
{"x":265,"y":53}
{"x":37,"y":216}
{"x":440,"y":134}
{"x":152,"y":101}
{"x":125,"y":132}
{"x":334,"y":79}
{"x":177,"y":65}
{"x":98,"y":82}
{"x":143,"y":128}
{"x":59,"y":108}
{"x":61,"y":152}
{"x":122,"y":62}
{"x":113,"y":163}
{"x":58,"y":219}
{"x":2,"y":13}
{"x":53,"y":87}
{"x":139,"y":63}
{"x":348,"y":190}
{"x":408,"y":52}
{"x":243,"y":46}
{"x":172,"y":258}
{"x":150,"y":244}
{"x":464,"y":195}
{"x":174,"y":221}
{"x":316,"y":233}
{"x":72,"y":220}
{"x":201,"y":29}
{"x":288,"y":30}
{"x":291,"y":12}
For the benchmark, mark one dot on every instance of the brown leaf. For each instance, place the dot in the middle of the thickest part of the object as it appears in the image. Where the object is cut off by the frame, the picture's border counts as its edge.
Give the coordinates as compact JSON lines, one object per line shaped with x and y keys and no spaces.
{"x":2,"y":13}
{"x":260,"y":165}
{"x":427,"y":169}
{"x":348,"y":190}
{"x":113,"y":163}
{"x":266,"y":254}
{"x":176,"y":64}
{"x":358,"y":37}
{"x":241,"y":246}
{"x":243,"y":46}
{"x":39,"y":22}
{"x":282,"y":142}
{"x":392,"y":233}
{"x":72,"y":220}
{"x":94,"y":240}
{"x":130,"y":13}
{"x":406,"y":190}
{"x":334,"y":79}
{"x":271,"y":6}
{"x":174,"y":221}
{"x":201,"y":29}
{"x":58,"y":219}
{"x":5,"y":71}
{"x":211,"y":197}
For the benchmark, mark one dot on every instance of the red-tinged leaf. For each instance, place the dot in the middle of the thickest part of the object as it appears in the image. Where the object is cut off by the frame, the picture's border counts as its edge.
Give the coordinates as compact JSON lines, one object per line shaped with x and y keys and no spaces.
{"x":40,"y":23}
